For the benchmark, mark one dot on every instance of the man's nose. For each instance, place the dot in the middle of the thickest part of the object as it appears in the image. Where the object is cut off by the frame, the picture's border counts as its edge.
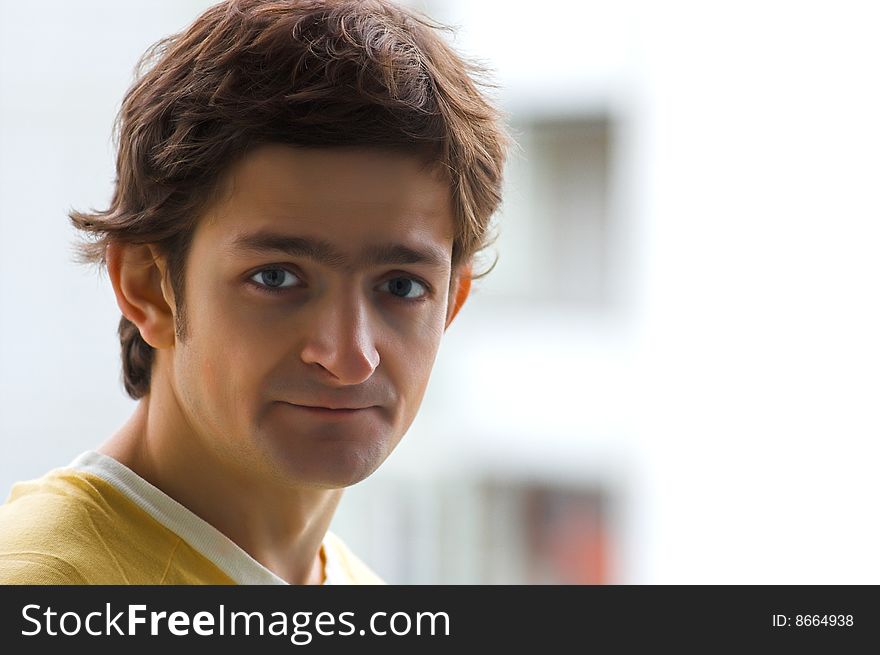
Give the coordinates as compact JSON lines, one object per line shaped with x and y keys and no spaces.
{"x":339,"y":339}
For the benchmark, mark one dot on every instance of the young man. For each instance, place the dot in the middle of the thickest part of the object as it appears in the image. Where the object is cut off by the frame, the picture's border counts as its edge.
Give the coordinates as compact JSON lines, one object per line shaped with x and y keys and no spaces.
{"x":301,"y":189}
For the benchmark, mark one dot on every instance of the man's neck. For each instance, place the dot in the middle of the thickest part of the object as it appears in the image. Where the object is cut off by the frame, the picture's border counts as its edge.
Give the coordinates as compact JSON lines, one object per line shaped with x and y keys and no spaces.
{"x":279,"y":526}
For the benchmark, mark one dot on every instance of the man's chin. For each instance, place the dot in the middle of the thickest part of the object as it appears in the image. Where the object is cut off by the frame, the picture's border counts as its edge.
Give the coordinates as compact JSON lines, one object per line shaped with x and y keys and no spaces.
{"x":336,"y":478}
{"x":303,"y":450}
{"x":342,"y":466}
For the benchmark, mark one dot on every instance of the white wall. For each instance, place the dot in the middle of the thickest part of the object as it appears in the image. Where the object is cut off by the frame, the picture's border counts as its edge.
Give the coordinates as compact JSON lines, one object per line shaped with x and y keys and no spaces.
{"x":759,"y":334}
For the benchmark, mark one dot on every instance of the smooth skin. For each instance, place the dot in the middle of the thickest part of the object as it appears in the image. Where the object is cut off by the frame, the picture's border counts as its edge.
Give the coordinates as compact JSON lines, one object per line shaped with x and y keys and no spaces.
{"x":354,"y":322}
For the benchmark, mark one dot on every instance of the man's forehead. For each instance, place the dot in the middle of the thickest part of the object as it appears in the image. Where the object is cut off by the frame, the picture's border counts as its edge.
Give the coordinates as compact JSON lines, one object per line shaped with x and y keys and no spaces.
{"x":377,"y":168}
{"x":345,"y":208}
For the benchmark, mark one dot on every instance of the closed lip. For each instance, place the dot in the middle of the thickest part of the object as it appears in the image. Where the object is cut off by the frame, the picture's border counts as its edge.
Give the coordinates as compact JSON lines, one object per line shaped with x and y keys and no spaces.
{"x":331,"y":407}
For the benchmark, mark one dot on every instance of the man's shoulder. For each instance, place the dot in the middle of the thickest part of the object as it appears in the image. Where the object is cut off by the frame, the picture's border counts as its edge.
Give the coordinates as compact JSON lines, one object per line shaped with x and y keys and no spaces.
{"x":38,"y":524}
{"x":35,"y":568}
{"x":344,"y":567}
{"x":57,"y":501}
{"x":67,"y":527}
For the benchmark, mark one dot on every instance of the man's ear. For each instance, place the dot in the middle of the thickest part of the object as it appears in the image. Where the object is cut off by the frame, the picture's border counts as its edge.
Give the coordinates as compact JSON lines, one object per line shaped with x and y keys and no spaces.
{"x":137,"y":273}
{"x":461,"y":292}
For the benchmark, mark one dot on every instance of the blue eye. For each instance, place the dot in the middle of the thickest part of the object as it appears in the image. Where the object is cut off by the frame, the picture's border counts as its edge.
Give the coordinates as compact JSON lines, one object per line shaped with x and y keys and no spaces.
{"x":272,"y":279}
{"x":402,"y":287}
{"x":280,"y":280}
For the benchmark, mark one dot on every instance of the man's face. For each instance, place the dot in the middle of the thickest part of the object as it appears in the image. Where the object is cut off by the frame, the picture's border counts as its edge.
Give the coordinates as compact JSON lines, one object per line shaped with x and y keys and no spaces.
{"x":320,"y":280}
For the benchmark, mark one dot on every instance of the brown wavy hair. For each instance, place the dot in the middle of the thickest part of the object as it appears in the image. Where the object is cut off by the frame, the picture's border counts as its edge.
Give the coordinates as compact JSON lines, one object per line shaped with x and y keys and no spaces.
{"x":312,"y":73}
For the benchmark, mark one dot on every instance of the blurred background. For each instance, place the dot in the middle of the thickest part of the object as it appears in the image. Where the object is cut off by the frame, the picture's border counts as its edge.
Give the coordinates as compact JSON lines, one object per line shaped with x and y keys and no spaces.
{"x":673,"y":373}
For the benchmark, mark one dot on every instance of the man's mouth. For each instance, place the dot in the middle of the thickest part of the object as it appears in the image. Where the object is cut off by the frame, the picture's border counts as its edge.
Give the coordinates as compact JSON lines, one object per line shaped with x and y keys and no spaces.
{"x":340,"y":411}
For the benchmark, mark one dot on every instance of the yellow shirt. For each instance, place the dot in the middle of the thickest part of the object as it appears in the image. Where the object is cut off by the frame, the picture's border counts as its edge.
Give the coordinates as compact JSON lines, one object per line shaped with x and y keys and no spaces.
{"x":98,"y":522}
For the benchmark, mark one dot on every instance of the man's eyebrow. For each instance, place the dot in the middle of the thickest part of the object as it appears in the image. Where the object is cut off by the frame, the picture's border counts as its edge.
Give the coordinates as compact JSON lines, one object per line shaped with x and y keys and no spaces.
{"x":326,"y":253}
